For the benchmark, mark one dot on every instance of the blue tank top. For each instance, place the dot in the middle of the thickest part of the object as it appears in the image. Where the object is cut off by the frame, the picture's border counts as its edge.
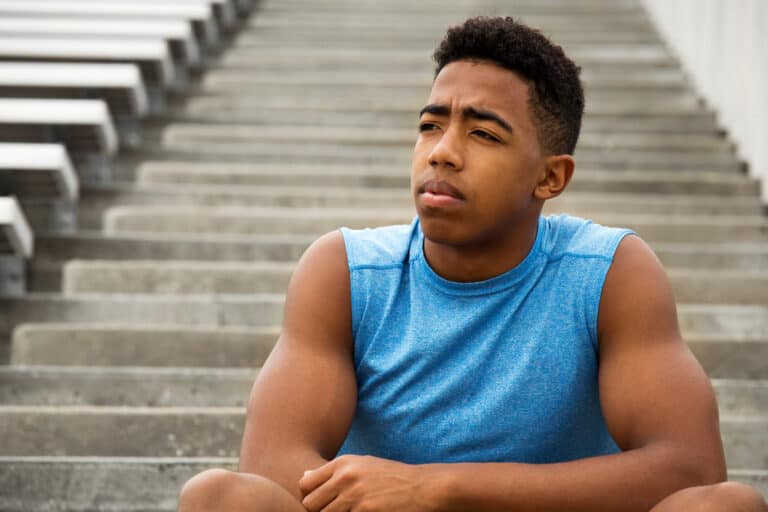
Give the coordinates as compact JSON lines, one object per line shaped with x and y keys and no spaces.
{"x":502,"y":370}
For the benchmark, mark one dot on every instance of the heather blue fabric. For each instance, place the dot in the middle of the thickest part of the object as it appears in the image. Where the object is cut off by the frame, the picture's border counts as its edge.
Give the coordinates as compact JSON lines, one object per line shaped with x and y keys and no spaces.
{"x":502,"y":370}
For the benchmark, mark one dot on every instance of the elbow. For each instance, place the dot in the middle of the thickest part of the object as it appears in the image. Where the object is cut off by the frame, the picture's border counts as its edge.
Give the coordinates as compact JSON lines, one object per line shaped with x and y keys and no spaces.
{"x":701,"y":467}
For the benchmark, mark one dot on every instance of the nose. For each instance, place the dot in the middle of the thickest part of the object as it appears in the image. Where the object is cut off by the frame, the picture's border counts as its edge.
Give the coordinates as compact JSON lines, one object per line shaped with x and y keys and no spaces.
{"x":448,"y":151}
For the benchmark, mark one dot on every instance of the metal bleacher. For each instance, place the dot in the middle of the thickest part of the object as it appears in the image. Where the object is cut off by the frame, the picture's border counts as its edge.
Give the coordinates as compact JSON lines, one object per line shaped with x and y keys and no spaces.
{"x":78,"y":79}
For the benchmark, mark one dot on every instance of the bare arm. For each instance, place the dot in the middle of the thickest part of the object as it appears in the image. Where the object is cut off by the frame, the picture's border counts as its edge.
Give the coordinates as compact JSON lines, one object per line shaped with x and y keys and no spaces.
{"x":304,"y":398}
{"x":657,"y":402}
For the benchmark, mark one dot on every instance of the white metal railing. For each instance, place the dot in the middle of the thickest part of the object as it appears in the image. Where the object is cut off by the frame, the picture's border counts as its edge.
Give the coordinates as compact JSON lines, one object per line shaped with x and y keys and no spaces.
{"x":723,"y":44}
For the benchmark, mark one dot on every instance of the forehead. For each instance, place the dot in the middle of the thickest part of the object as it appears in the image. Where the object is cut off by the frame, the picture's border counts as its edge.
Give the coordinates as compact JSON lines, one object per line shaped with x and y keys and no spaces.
{"x":482,"y":85}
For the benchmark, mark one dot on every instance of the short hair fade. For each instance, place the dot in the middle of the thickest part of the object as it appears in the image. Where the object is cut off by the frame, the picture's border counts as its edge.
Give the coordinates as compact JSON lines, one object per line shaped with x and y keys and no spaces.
{"x":556,"y":93}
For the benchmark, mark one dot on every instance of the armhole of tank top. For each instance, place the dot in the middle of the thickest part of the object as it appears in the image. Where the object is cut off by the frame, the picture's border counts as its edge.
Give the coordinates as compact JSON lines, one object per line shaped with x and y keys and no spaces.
{"x":354,"y":296}
{"x":593,"y":306}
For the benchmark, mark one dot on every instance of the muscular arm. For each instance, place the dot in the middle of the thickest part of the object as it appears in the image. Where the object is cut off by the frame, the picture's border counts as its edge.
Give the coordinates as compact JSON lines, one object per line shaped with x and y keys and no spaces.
{"x":657,"y":402}
{"x":303,"y":400}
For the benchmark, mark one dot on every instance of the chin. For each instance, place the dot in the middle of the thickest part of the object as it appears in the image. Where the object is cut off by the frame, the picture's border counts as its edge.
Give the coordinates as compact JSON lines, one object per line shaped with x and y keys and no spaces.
{"x":442,"y":231}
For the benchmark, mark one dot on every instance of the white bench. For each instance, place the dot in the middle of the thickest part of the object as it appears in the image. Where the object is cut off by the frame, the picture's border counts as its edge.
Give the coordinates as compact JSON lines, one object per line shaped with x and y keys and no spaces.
{"x":42,"y":178}
{"x":225,"y":11}
{"x":152,"y":57}
{"x":177,"y":34}
{"x":120,"y":85}
{"x":16,"y":243}
{"x":37,"y":170}
{"x":200,"y":15}
{"x":84,"y":126}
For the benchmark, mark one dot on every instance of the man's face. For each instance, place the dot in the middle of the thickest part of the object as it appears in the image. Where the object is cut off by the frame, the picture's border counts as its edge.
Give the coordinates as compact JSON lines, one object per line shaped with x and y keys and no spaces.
{"x":477,"y":158}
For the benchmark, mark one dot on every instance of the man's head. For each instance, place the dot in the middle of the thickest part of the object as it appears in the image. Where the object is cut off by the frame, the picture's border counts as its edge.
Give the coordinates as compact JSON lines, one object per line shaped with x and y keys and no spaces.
{"x":556,"y":95}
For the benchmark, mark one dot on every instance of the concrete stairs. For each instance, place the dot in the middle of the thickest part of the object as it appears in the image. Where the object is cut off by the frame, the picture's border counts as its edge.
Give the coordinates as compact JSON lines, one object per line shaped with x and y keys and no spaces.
{"x":131,"y":359}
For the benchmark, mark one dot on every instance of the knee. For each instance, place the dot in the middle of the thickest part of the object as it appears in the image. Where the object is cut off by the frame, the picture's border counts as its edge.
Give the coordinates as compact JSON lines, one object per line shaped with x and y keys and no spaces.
{"x":730,"y":496}
{"x":210,"y":490}
{"x":737,"y":497}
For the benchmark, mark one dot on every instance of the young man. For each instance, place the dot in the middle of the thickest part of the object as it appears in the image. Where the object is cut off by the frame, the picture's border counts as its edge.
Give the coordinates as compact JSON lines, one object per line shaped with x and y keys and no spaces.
{"x":484,"y":357}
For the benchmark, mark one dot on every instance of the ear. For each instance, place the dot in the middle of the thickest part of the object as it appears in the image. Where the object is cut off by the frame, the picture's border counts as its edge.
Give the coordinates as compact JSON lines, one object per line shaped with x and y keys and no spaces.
{"x":558,"y":170}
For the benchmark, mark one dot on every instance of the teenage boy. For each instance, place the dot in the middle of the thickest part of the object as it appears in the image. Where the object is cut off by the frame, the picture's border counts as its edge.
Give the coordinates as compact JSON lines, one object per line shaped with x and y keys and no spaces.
{"x":483,"y":357}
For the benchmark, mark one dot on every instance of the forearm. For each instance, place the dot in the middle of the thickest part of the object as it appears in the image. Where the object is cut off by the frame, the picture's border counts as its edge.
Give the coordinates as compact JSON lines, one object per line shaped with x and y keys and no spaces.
{"x":630,"y":481}
{"x":284,"y":467}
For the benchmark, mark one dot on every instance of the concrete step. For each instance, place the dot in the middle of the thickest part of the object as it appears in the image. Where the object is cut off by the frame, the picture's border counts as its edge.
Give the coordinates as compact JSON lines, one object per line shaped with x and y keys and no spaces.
{"x":713,"y":256}
{"x":78,"y":483}
{"x":267,"y":37}
{"x":416,"y":81}
{"x":219,"y":310}
{"x":619,"y":179}
{"x":632,"y":57}
{"x":136,"y":386}
{"x":231,"y":133}
{"x":711,"y":322}
{"x":335,"y":97}
{"x":216,"y":431}
{"x":741,"y":397}
{"x":210,"y":110}
{"x":185,"y":277}
{"x":52,"y":250}
{"x":142,"y":344}
{"x":601,"y":157}
{"x":244,"y":220}
{"x":593,"y":7}
{"x":175,"y":277}
{"x":317,"y":153}
{"x":94,"y":201}
{"x":720,"y":286}
{"x":278,"y":107}
{"x":120,"y":431}
{"x":304,"y":95}
{"x":726,"y":356}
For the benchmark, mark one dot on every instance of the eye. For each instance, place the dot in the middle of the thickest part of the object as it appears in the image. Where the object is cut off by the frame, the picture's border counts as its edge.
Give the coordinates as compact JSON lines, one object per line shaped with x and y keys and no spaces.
{"x":485,"y":135}
{"x":426,"y":127}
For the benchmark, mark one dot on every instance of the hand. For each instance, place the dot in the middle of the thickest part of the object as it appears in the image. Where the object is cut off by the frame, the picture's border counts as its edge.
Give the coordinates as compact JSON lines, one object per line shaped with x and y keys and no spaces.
{"x":354,"y":483}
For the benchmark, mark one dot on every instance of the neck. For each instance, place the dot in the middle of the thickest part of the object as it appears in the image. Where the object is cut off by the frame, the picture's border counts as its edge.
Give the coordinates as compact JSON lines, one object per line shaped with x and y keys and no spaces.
{"x":484,"y":260}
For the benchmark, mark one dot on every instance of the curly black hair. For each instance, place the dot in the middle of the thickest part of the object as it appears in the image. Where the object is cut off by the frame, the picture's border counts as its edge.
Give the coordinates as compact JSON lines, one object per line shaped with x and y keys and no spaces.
{"x":556,"y":93}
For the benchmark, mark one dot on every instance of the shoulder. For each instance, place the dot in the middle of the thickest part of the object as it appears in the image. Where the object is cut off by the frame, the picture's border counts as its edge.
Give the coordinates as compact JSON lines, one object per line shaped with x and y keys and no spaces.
{"x":574,"y":236}
{"x":637,"y":296}
{"x":382,"y":246}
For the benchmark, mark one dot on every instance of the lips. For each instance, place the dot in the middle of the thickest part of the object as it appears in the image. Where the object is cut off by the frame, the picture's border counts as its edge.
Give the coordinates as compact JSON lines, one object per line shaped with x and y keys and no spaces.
{"x":440,"y":188}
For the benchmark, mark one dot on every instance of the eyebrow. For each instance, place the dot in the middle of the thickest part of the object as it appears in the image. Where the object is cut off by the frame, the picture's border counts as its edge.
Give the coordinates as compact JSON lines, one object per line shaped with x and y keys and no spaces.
{"x":469,"y":112}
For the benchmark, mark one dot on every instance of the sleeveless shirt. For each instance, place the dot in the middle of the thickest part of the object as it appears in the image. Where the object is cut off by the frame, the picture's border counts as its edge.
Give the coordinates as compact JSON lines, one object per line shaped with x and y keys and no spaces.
{"x":501,"y":370}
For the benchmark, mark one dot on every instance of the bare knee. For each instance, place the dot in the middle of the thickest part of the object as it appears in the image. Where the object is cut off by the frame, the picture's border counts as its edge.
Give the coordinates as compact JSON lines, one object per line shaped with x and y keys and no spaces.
{"x":227,"y":491}
{"x":725,"y":496}
{"x":208,"y":490}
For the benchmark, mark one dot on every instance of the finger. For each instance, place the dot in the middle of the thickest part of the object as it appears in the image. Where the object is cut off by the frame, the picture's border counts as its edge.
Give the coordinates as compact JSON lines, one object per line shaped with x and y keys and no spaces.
{"x":321,"y":497}
{"x":316,"y":477}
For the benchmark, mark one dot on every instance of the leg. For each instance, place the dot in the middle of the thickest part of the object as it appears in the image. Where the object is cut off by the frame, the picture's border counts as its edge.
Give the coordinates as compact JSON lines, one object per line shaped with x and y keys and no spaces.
{"x":227,"y":491}
{"x":723,"y":497}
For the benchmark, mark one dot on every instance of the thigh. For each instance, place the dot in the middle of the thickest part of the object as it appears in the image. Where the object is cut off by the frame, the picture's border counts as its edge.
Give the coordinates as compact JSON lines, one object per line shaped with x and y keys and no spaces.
{"x":222,"y":490}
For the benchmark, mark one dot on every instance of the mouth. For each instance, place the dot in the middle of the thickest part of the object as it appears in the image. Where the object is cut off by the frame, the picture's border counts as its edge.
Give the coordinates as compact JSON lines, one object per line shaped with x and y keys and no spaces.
{"x":439,"y":194}
{"x":441,"y":188}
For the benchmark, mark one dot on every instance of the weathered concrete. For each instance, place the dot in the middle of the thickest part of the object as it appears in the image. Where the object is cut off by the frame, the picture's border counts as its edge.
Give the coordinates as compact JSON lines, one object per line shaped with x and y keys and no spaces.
{"x":207,"y":134}
{"x":219,"y":310}
{"x":52,"y":249}
{"x":183,"y":278}
{"x":175,"y":277}
{"x":79,"y":483}
{"x":725,"y":355}
{"x":146,"y":484}
{"x":125,"y":387}
{"x":241,"y":221}
{"x":195,"y":432}
{"x":111,"y":344}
